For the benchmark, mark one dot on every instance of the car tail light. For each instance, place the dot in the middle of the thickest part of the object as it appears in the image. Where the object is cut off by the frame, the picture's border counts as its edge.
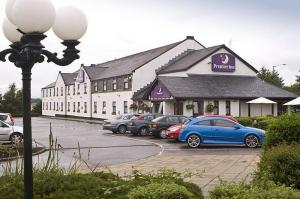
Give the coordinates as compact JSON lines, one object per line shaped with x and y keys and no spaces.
{"x":107,"y":122}
{"x":154,"y":125}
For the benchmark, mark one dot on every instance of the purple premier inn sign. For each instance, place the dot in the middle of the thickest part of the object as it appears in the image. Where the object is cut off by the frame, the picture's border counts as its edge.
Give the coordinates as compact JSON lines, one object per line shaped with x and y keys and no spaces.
{"x":160,"y":92}
{"x":223,"y":62}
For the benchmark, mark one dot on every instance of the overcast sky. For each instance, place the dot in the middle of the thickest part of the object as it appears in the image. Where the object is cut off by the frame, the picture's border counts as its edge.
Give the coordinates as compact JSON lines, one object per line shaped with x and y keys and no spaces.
{"x":263,"y":32}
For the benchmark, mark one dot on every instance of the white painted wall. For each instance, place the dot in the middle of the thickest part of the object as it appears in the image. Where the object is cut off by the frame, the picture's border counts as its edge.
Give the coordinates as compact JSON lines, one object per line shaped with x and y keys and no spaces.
{"x":109,"y":97}
{"x":168,"y":108}
{"x":204,"y":68}
{"x":146,"y":74}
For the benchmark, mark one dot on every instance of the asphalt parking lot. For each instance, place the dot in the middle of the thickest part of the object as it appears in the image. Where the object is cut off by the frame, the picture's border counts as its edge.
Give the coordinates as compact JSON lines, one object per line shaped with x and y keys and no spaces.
{"x":123,"y":152}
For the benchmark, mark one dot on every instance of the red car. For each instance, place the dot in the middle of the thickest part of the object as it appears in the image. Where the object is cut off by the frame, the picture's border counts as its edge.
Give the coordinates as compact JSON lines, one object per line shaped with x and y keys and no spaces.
{"x":173,"y":131}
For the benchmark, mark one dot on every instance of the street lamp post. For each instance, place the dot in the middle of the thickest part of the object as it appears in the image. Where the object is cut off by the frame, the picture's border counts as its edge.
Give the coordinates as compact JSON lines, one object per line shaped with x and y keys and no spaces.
{"x":25,"y":25}
{"x":277,"y":65}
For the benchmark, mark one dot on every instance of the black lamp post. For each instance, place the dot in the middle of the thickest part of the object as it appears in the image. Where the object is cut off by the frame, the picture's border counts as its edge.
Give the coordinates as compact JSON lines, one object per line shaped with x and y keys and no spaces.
{"x":27,"y":21}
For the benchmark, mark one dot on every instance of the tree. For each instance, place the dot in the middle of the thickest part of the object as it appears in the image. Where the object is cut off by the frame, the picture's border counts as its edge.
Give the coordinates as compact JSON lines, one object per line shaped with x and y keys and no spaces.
{"x":271,"y":76}
{"x":295,"y":88}
{"x":11,"y":101}
{"x":37,"y":108}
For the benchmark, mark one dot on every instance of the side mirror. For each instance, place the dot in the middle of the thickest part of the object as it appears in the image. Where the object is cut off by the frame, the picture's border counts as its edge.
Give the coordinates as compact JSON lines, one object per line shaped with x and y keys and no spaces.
{"x":237,"y":127}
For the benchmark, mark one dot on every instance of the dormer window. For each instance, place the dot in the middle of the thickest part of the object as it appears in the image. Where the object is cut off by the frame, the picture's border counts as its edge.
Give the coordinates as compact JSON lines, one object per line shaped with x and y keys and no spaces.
{"x":104,"y":85}
{"x":114,"y":84}
{"x":126,"y":84}
{"x":95,"y":86}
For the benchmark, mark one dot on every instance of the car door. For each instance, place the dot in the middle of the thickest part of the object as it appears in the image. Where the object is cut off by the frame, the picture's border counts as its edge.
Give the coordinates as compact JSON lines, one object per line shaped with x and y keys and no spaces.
{"x":172,"y":120}
{"x":204,"y":128}
{"x":224,"y":132}
{"x":4,"y":131}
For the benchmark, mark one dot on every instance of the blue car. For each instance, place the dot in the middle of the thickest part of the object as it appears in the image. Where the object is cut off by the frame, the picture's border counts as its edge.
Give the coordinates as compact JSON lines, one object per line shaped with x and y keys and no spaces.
{"x":212,"y":130}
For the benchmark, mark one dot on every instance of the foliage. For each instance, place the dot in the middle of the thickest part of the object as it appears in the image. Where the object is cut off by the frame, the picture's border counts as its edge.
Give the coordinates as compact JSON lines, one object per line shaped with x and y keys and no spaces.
{"x":271,"y":76}
{"x":11,"y":101}
{"x":281,"y":164}
{"x":257,"y":122}
{"x":37,"y":108}
{"x":242,"y":190}
{"x":245,"y":121}
{"x":160,"y":190}
{"x":284,"y":129}
{"x":133,"y":106}
{"x":295,"y":88}
{"x":189,"y":106}
{"x":210,"y":108}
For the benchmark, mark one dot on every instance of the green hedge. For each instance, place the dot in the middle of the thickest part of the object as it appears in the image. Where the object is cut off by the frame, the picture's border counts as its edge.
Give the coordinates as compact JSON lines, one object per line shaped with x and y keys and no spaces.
{"x":161,"y":191}
{"x":241,"y":190}
{"x":257,"y":122}
{"x":284,"y":129}
{"x":54,"y":185}
{"x":281,"y":165}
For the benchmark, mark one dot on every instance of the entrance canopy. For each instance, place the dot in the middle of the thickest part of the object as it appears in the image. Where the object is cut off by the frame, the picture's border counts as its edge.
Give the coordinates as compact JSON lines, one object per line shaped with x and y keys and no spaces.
{"x":261,"y":100}
{"x":294,"y":102}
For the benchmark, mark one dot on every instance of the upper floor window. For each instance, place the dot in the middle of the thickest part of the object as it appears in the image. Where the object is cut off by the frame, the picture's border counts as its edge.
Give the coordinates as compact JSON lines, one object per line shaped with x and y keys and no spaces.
{"x":114,"y":84}
{"x":68,"y":90}
{"x":85,"y":86}
{"x":68,"y":106}
{"x":61,"y":106}
{"x":46,"y":105}
{"x":57,"y":91}
{"x":95,"y":86}
{"x":53,"y":91}
{"x":46,"y":92}
{"x":78,"y":89}
{"x":95,"y":107}
{"x":50,"y":92}
{"x":74,"y":106}
{"x":74,"y":89}
{"x":126,"y":84}
{"x":54,"y":106}
{"x":50,"y":106}
{"x":104,"y":85}
{"x":61,"y":91}
{"x":78,"y":107}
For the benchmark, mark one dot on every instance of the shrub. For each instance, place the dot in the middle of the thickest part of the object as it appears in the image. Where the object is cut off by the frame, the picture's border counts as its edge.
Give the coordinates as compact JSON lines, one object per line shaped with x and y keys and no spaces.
{"x":245,"y":121}
{"x":241,"y":190}
{"x":161,"y":191}
{"x":284,"y":129}
{"x":280,"y":164}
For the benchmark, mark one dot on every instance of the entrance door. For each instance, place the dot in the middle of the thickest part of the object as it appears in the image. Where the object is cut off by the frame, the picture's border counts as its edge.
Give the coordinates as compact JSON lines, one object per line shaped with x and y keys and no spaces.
{"x":178,"y":108}
{"x":198,"y":108}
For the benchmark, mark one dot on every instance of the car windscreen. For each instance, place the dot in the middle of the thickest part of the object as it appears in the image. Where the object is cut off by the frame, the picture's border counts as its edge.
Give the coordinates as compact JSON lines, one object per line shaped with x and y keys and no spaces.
{"x":3,"y":117}
{"x":160,"y":119}
{"x":187,"y":121}
{"x":118,"y":117}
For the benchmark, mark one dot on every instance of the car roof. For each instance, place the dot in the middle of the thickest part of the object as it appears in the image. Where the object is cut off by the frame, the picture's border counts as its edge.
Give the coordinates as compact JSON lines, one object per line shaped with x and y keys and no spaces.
{"x":212,"y":118}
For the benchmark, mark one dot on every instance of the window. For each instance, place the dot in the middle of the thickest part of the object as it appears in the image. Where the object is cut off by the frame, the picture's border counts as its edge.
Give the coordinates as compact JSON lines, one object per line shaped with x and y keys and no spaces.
{"x":61,"y":91}
{"x":61,"y":106}
{"x":85,"y":86}
{"x":114,"y":108}
{"x":46,"y":92}
{"x":114,"y":84}
{"x":228,"y":108}
{"x":57,"y":91}
{"x":173,"y":119}
{"x":78,"y":107}
{"x":46,"y":105}
{"x":43,"y":106}
{"x":104,"y":85}
{"x":50,"y":91}
{"x":95,"y":86}
{"x":85,"y":107}
{"x":125,"y":107}
{"x":183,"y":119}
{"x":126,"y":84}
{"x":95,"y":107}
{"x":50,"y":106}
{"x":68,"y":90}
{"x":216,"y":107}
{"x":54,"y":106}
{"x":68,"y":106}
{"x":74,"y":89}
{"x":78,"y":89}
{"x":203,"y":123}
{"x":223,"y":123}
{"x":103,"y":107}
{"x":74,"y":106}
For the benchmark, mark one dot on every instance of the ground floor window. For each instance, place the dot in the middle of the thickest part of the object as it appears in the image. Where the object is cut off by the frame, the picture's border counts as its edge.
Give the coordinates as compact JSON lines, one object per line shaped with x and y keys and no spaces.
{"x":114,"y":108}
{"x":74,"y":106}
{"x":228,"y":107}
{"x":61,"y":106}
{"x":85,"y":107}
{"x":104,"y":107}
{"x":43,"y":106}
{"x":216,"y":107}
{"x":95,"y":107}
{"x":125,"y":107}
{"x":50,"y":106}
{"x":54,"y":106}
{"x":78,"y":107}
{"x":68,"y":106}
{"x":46,"y":105}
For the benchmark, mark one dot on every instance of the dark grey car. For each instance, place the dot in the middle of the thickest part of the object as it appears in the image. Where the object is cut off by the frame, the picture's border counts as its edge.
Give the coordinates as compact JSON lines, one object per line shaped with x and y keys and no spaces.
{"x":118,"y":124}
{"x":140,"y":125}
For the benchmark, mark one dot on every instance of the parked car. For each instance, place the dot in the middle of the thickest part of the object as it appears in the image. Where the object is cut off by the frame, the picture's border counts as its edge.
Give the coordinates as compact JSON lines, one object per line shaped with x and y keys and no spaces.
{"x":173,"y":131}
{"x":9,"y":133}
{"x":159,"y":126}
{"x":7,"y":118}
{"x":118,"y":124}
{"x":212,"y":130}
{"x":224,"y":116}
{"x":139,"y":125}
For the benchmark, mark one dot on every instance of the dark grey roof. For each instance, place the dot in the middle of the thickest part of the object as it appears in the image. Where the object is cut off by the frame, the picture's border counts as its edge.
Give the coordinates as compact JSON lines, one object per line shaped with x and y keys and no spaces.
{"x":221,"y":86}
{"x":69,"y":78}
{"x":190,"y":59}
{"x":128,"y":64}
{"x":196,"y":56}
{"x":94,"y":72}
{"x":50,"y":85}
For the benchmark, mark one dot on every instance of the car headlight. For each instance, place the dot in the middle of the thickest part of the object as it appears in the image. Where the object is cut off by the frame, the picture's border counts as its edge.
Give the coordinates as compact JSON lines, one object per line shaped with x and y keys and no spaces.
{"x":263,"y":131}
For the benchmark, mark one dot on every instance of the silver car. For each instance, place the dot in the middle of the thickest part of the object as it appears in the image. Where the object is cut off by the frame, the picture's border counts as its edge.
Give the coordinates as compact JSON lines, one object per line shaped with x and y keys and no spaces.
{"x":12,"y":134}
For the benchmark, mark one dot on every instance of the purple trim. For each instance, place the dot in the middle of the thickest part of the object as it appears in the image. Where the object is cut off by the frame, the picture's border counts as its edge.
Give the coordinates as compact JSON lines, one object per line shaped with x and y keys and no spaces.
{"x":160,"y":92}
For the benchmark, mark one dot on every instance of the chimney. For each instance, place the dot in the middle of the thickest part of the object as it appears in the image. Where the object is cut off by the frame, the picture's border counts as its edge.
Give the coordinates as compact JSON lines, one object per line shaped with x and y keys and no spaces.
{"x":190,"y":37}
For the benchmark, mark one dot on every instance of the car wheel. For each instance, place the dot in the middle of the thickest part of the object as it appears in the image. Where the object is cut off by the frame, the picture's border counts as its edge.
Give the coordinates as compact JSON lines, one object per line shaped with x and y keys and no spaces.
{"x":163,"y":134}
{"x":122,"y":129}
{"x":193,"y":141}
{"x":251,"y":141}
{"x":16,"y":138}
{"x":144,"y":131}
